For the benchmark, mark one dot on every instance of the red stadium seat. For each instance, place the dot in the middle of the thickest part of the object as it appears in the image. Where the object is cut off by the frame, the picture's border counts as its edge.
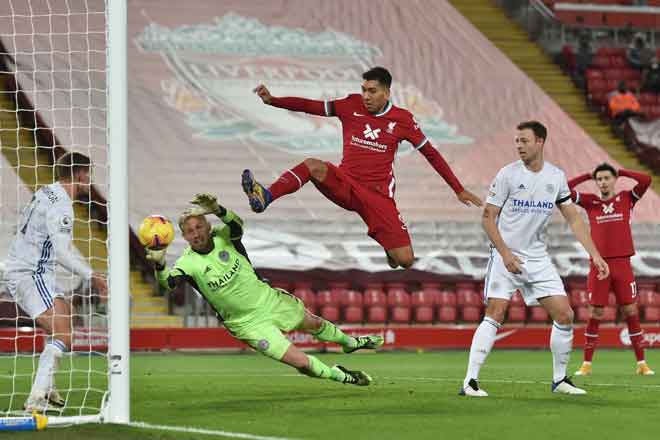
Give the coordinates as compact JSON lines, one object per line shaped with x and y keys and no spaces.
{"x":330,"y":312}
{"x":400,"y":314}
{"x":618,"y":61}
{"x":613,"y":74}
{"x":538,"y":314}
{"x":398,"y":297}
{"x":423,"y":314}
{"x":327,"y":297}
{"x":376,"y":314}
{"x":471,"y":314}
{"x":374,"y":297}
{"x":425,"y":297}
{"x":601,"y":62}
{"x":648,"y":297}
{"x":582,"y":314}
{"x":468,"y":298}
{"x":351,"y":298}
{"x":353,"y":314}
{"x":447,"y":314}
{"x":579,"y":297}
{"x":517,"y":314}
{"x":281,"y":284}
{"x":446,"y":298}
{"x":651,"y":314}
{"x":594,"y":74}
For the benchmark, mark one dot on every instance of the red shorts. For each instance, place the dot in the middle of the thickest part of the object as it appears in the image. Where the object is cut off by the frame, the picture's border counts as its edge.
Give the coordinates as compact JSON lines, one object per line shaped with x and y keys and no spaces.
{"x":377,"y":210}
{"x":621,"y":281}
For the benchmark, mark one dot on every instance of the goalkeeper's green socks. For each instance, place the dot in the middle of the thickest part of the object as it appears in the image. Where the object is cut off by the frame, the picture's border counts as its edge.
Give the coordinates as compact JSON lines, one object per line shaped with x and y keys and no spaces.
{"x":331,"y":333}
{"x":322,"y":371}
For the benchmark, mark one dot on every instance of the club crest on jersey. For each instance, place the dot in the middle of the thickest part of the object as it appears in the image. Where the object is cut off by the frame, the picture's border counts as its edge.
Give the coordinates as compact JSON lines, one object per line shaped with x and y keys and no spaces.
{"x":608,"y":208}
{"x":390,"y":127}
{"x":223,"y":256}
{"x":263,"y":344}
{"x":550,"y":188}
{"x":214,"y":63}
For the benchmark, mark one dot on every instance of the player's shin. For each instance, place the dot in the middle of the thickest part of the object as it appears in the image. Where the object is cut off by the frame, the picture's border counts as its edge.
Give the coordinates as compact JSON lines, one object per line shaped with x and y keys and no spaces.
{"x":331,"y":333}
{"x":482,"y":344}
{"x":591,"y":338}
{"x":561,"y":345}
{"x":318,"y":369}
{"x":47,"y":365}
{"x":635,"y":332}
{"x":290,"y":181}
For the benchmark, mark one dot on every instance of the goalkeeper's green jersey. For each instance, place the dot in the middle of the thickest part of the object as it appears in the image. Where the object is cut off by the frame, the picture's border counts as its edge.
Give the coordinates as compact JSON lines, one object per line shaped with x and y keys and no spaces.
{"x":224,"y":276}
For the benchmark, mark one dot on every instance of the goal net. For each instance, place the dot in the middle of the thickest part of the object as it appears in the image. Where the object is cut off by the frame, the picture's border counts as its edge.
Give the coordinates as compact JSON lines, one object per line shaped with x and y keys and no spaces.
{"x":54,"y":99}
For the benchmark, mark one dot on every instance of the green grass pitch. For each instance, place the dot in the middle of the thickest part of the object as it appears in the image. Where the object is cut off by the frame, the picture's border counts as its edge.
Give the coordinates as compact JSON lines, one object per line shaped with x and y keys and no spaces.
{"x":414,"y":397}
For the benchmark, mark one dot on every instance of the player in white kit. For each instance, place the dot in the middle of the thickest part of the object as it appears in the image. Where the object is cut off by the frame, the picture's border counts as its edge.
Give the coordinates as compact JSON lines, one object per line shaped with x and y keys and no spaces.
{"x":520,"y":203}
{"x":43,"y":239}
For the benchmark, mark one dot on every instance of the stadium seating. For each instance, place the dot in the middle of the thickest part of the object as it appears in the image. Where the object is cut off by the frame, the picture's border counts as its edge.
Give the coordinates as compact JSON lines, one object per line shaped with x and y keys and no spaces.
{"x":398,"y":301}
{"x":538,"y":315}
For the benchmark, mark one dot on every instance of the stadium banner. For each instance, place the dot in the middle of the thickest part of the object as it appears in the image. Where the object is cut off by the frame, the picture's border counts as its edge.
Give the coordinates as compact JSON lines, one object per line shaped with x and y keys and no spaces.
{"x":404,"y":338}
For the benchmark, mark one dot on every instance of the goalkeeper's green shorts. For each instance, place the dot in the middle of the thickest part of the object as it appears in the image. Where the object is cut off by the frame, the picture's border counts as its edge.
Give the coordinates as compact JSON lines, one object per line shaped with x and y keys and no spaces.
{"x":284,"y":313}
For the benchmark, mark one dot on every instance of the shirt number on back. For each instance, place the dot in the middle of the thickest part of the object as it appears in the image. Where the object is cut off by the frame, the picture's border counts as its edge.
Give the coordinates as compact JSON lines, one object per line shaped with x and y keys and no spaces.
{"x":633,"y":289}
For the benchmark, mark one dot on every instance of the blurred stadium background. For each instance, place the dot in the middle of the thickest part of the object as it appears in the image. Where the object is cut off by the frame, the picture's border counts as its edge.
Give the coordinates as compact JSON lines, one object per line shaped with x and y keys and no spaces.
{"x":469,"y":70}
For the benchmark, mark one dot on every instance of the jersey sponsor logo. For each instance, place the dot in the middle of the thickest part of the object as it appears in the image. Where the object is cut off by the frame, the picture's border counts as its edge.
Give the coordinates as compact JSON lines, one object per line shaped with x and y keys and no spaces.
{"x":226,"y":277}
{"x":214,"y":61}
{"x":531,"y":206}
{"x":608,"y":208}
{"x":369,"y":145}
{"x":371,"y":134}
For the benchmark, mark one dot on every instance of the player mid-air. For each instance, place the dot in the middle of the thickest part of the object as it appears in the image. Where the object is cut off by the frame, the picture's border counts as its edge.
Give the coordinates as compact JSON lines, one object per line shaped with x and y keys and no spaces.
{"x":216,"y":264}
{"x":609,"y":217}
{"x":364,"y":180}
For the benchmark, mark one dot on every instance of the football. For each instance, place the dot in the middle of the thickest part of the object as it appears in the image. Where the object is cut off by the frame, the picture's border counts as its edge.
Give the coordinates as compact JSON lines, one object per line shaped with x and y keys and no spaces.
{"x":156,"y":232}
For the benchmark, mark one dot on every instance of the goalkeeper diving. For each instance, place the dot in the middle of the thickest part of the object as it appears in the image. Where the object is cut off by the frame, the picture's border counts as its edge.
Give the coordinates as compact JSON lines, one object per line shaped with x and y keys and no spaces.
{"x":216,"y":264}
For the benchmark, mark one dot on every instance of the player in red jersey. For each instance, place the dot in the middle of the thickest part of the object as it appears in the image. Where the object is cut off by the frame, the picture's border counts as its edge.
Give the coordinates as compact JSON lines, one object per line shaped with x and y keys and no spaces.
{"x":364,"y":180}
{"x":609,"y":216}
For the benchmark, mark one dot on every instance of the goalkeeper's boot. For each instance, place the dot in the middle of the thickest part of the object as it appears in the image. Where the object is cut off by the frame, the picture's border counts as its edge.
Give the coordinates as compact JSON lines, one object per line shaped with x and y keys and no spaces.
{"x":258,"y":195}
{"x":54,"y":398}
{"x":369,"y":342}
{"x":359,"y":378}
{"x":472,"y":390}
{"x":644,"y":370}
{"x":565,"y":386}
{"x":584,"y":370}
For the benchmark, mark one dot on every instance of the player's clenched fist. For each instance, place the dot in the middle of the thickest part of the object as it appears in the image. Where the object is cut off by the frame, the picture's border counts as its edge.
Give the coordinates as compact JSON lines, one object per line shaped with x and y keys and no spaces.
{"x":263,"y":93}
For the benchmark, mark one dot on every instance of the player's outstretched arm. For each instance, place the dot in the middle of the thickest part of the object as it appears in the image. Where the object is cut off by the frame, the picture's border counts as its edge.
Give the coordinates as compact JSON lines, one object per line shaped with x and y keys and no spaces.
{"x":575,"y":181}
{"x":311,"y":106}
{"x":579,"y":198}
{"x":581,"y":232}
{"x":168,"y":279}
{"x":208,"y":204}
{"x":441,"y":166}
{"x":643,"y":181}
{"x":489,"y":223}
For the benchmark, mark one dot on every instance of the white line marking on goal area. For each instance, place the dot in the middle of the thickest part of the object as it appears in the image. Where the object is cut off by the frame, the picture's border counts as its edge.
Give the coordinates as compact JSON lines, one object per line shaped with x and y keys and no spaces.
{"x":191,"y":430}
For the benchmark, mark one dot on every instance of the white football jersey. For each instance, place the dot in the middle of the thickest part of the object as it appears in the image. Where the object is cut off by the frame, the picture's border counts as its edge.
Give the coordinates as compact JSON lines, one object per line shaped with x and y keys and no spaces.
{"x":527,"y":200}
{"x":43,"y":237}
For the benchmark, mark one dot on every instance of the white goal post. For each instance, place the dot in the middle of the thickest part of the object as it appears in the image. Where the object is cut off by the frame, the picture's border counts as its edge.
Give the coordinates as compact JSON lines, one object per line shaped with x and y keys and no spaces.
{"x":63,"y":81}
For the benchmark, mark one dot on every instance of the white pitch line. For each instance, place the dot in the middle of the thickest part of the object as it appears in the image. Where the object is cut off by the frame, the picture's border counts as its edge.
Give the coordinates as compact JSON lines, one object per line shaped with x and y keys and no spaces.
{"x":191,"y":430}
{"x":418,"y":379}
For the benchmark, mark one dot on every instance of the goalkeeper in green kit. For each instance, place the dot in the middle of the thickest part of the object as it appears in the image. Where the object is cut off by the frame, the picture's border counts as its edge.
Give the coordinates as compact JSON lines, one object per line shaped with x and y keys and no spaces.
{"x":217,"y":266}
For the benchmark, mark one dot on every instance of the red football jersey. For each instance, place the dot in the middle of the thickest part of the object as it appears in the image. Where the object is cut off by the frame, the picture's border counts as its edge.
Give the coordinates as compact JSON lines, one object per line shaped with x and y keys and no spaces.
{"x":371,"y":140}
{"x":610,"y":222}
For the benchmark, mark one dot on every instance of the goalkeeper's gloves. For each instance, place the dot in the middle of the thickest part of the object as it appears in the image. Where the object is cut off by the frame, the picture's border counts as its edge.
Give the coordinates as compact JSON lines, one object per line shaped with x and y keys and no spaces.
{"x":156,"y":257}
{"x":206,"y":204}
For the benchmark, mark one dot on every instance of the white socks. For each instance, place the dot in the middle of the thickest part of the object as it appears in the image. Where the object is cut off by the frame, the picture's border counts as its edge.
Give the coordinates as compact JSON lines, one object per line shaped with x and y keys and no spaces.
{"x":482,"y":343}
{"x":47,"y":365}
{"x":561,"y":345}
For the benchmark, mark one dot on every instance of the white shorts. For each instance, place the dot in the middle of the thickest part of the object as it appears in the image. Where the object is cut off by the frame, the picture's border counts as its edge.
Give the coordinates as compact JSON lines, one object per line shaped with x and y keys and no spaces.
{"x":538,"y":279}
{"x":33,"y":294}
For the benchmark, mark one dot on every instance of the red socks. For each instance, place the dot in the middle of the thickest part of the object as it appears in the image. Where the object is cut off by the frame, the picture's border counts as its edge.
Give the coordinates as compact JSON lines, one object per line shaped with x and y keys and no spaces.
{"x":290,"y":181}
{"x":591,"y":338}
{"x":635,"y":332}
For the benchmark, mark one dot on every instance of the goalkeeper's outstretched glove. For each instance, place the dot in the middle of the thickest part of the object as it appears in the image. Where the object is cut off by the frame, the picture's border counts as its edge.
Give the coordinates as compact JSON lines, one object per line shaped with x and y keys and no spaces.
{"x":156,"y":257}
{"x":206,"y":204}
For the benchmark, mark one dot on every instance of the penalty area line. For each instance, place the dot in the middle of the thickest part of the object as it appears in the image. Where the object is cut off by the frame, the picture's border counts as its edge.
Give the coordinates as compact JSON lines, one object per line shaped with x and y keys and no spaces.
{"x":191,"y":430}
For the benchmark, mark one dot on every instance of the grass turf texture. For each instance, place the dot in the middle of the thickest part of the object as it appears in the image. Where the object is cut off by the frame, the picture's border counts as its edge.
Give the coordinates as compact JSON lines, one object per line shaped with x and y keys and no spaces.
{"x":414,"y":397}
